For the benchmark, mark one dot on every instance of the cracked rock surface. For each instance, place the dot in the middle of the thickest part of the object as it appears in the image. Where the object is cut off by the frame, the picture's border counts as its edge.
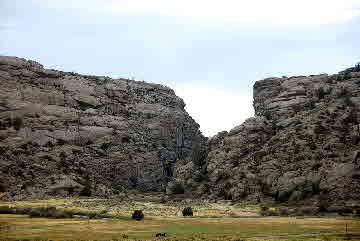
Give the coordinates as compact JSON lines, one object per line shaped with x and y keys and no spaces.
{"x":302,"y":144}
{"x":62,"y":133}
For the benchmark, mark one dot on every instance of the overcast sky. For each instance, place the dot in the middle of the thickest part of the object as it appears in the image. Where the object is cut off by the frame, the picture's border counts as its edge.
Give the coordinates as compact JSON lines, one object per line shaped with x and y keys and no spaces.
{"x":210,"y":52}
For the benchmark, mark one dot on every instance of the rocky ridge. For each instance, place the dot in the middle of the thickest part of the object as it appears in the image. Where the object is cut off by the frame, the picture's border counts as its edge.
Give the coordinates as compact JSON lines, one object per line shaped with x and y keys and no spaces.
{"x":64,"y":133}
{"x":67,"y":134}
{"x":302,"y":144}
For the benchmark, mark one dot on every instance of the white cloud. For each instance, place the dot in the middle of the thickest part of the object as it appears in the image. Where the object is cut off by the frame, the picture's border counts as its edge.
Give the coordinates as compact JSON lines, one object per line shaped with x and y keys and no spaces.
{"x":264,"y":12}
{"x":215,"y":109}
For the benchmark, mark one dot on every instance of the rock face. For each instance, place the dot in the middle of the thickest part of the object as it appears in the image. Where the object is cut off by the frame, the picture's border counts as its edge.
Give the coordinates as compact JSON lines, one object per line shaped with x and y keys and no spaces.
{"x":303,"y":143}
{"x":65,"y":133}
{"x":69,"y":134}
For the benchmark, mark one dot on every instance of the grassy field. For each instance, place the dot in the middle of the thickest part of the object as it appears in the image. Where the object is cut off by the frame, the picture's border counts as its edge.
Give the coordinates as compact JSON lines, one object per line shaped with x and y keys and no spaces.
{"x":16,"y":227}
{"x":149,"y":206}
{"x":212,"y":221}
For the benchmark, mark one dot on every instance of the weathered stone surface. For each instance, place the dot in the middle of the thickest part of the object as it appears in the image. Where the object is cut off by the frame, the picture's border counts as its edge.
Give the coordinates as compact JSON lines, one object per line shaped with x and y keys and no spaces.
{"x":61,"y":132}
{"x":303,"y":143}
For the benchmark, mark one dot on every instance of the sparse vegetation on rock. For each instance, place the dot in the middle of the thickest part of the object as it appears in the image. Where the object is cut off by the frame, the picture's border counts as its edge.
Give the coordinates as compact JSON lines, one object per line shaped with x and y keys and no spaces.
{"x":290,"y":150}
{"x":298,"y":146}
{"x":107,"y":127}
{"x":175,"y":187}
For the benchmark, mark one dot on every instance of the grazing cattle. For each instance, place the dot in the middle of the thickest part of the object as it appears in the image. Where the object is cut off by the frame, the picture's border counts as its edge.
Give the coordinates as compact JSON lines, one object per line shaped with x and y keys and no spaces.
{"x":160,"y":235}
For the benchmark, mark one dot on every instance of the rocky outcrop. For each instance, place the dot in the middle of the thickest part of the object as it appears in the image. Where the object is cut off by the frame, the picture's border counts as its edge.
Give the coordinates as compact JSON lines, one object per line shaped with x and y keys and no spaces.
{"x":68,"y":134}
{"x":65,"y":133}
{"x":303,"y":143}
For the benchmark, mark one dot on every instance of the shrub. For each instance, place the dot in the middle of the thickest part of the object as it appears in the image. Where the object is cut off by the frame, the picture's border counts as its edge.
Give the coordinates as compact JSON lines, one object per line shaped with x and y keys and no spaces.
{"x":340,"y":210}
{"x":264,"y":208}
{"x":6,"y":210}
{"x":284,"y":212}
{"x":347,"y":76}
{"x":22,"y":210}
{"x":43,"y":212}
{"x":307,"y":211}
{"x":348,"y":101}
{"x":125,"y":236}
{"x":357,"y":212}
{"x":269,"y":213}
{"x":163,"y":199}
{"x":92,"y":215}
{"x":86,"y":191}
{"x":323,"y":205}
{"x":35,"y":213}
{"x":198,"y":156}
{"x":18,"y":122}
{"x":187,"y":211}
{"x":138,"y":215}
{"x":49,"y":212}
{"x":357,"y":67}
{"x":175,"y":188}
{"x":320,"y":93}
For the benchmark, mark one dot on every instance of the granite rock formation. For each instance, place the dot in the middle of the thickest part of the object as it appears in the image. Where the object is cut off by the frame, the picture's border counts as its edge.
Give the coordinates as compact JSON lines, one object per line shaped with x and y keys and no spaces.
{"x":302,"y":144}
{"x":68,"y":134}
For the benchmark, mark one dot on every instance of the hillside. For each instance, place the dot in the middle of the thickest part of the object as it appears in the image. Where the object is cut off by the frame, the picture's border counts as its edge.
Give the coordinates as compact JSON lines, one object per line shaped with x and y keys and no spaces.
{"x":302,"y":144}
{"x":68,"y":134}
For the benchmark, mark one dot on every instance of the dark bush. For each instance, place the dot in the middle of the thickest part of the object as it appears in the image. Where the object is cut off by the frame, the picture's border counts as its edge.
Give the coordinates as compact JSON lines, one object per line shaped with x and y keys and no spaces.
{"x":105,"y":146}
{"x":6,"y":210}
{"x":284,"y":212}
{"x":86,"y":191}
{"x":61,"y":142}
{"x":348,"y":101}
{"x":92,"y":215}
{"x":35,"y":213}
{"x":49,"y":212}
{"x":267,"y":115}
{"x":320,"y":93}
{"x":323,"y":205}
{"x":198,"y":156}
{"x":347,"y":76}
{"x":357,"y":67}
{"x":307,"y":211}
{"x":264,"y":208}
{"x":340,"y":210}
{"x":22,"y":210}
{"x":357,"y":212}
{"x":187,"y":211}
{"x":138,"y":215}
{"x":176,"y":188}
{"x":163,"y":199}
{"x":283,"y":196}
{"x":269,"y":213}
{"x":18,"y":122}
{"x":43,"y":212}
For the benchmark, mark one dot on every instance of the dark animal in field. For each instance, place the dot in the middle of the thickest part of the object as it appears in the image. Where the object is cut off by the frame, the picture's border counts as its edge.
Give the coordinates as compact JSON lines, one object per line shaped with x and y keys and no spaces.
{"x":160,"y":235}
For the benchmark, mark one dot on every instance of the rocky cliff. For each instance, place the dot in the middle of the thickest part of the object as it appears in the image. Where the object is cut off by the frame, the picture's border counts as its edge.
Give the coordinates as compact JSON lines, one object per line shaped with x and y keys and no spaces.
{"x":68,"y":134}
{"x":303,"y":143}
{"x":64,"y":133}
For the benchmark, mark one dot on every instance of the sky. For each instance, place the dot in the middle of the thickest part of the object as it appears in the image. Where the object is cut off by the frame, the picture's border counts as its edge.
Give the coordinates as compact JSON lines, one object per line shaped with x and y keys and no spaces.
{"x":210,"y":52}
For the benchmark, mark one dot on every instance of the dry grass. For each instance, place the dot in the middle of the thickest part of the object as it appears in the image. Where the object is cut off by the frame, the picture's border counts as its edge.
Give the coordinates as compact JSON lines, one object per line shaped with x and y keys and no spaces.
{"x":211,"y":221}
{"x":23,"y":227}
{"x":150,"y":208}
